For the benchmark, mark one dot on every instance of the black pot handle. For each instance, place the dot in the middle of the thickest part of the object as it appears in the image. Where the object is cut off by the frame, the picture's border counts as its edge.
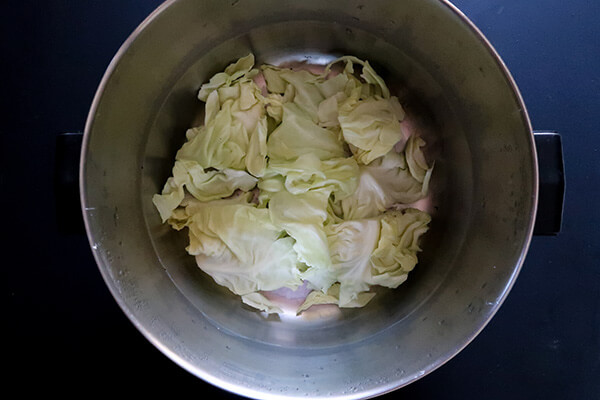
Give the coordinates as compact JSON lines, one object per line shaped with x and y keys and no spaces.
{"x":551,"y":183}
{"x":69,"y":219}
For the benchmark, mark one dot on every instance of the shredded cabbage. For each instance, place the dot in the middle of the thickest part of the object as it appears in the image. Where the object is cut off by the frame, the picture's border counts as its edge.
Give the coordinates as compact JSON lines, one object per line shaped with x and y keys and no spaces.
{"x":300,"y":184}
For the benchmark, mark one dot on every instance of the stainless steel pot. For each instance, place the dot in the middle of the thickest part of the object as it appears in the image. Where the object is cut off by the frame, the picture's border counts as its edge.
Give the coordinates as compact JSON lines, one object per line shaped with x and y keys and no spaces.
{"x":459,"y":95}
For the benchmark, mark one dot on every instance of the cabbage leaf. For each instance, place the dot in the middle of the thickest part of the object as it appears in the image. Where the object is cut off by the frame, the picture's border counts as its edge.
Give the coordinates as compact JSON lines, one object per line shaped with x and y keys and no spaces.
{"x":241,"y":249}
{"x":201,"y":184}
{"x":298,"y":135}
{"x":389,"y":180}
{"x":375,"y":251}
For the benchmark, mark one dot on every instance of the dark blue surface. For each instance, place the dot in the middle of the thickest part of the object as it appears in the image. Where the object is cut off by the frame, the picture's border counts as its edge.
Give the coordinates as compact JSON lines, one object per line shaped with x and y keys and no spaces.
{"x":65,"y":329}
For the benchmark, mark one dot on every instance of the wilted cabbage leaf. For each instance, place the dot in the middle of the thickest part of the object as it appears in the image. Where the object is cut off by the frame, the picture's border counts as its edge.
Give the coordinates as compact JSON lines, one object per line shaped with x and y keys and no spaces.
{"x":201,"y":184}
{"x":389,"y":180}
{"x":299,"y":135}
{"x":234,"y":134}
{"x":374,"y":251}
{"x":239,"y":246}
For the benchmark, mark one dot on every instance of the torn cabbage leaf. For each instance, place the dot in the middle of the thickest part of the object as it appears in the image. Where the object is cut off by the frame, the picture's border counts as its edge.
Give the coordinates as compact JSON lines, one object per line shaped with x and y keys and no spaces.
{"x":260,"y":302}
{"x":241,"y":70}
{"x":389,"y":180}
{"x":241,"y":249}
{"x":337,"y":175}
{"x":189,"y":206}
{"x":234,"y":134}
{"x":375,"y":251}
{"x":298,"y":135}
{"x":376,"y":84}
{"x":371,"y":126}
{"x":202,"y":185}
{"x":332,"y":296}
{"x":303,"y":217}
{"x":302,"y":88}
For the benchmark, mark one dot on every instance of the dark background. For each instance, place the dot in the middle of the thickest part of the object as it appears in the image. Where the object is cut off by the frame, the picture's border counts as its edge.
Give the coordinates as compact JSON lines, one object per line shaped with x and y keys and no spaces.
{"x":67,"y":334}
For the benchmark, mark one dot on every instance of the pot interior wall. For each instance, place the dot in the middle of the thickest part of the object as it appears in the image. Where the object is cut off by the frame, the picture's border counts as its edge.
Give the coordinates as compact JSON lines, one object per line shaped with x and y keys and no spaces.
{"x":457,"y":96}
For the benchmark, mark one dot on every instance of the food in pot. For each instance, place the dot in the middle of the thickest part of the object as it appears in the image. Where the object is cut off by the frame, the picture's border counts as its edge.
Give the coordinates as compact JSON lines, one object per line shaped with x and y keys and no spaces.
{"x":300,"y":181}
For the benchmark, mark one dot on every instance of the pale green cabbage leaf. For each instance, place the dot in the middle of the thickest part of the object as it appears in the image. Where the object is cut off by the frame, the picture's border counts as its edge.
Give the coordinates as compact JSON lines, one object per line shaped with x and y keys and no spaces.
{"x":308,"y":172}
{"x":201,"y":184}
{"x":389,"y":180}
{"x":241,"y":249}
{"x":298,"y":135}
{"x":303,"y":217}
{"x":371,"y":126}
{"x":375,"y":251}
{"x":234,"y":134}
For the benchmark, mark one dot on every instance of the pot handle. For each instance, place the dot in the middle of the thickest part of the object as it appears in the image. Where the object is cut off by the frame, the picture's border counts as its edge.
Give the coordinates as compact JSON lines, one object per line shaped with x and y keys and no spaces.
{"x":69,"y":218}
{"x":551,"y":183}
